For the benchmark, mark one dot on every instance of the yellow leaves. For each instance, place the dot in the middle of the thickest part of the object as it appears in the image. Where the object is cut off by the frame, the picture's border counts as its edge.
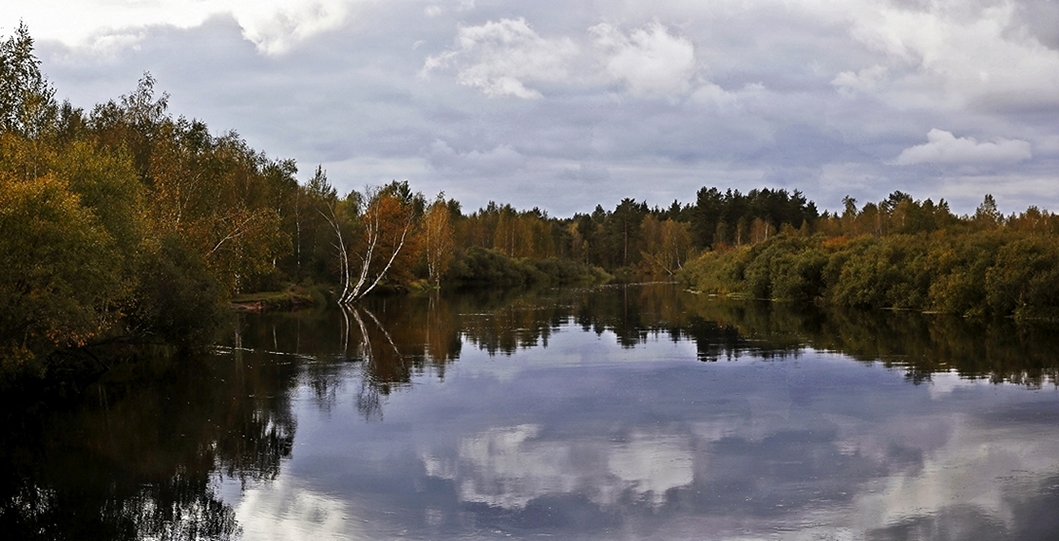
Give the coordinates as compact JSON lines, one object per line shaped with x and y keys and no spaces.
{"x":387,"y":223}
{"x":23,"y":158}
{"x":438,"y":240}
{"x":520,"y":234}
{"x":667,"y":244}
{"x":108,"y":185}
{"x":835,"y":242}
{"x":213,"y":192}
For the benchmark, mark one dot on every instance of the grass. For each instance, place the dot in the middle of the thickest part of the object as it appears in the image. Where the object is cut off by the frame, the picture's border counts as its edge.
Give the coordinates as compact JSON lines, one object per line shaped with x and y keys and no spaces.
{"x":291,"y":298}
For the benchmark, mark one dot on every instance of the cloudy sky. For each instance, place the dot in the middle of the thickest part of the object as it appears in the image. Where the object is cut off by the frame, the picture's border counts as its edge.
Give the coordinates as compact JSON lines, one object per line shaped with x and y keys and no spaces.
{"x":564,"y":105}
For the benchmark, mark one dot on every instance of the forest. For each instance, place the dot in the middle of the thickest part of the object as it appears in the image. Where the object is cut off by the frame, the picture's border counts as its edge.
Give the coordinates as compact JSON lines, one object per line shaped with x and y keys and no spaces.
{"x":122,"y":226}
{"x":900,"y":253}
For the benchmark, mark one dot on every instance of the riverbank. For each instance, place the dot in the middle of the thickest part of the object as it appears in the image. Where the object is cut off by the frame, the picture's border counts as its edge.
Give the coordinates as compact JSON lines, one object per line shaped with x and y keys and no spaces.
{"x":290,"y":299}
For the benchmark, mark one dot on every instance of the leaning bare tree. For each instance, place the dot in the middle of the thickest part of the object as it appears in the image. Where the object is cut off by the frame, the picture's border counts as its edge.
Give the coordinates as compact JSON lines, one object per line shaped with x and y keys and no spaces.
{"x":369,"y":240}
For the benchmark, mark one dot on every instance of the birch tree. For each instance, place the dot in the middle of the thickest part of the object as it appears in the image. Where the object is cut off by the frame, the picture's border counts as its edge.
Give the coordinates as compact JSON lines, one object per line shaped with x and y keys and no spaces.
{"x":386,"y":227}
{"x":438,"y":239}
{"x":374,"y":236}
{"x":27,"y":100}
{"x":668,"y":243}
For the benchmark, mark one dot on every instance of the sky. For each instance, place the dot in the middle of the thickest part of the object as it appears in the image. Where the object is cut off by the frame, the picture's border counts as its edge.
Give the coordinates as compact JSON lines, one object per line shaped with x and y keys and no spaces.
{"x":565,"y":105}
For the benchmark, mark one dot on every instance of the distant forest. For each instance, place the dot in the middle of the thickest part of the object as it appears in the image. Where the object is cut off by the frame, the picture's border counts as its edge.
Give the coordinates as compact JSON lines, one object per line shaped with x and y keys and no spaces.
{"x":122,"y":224}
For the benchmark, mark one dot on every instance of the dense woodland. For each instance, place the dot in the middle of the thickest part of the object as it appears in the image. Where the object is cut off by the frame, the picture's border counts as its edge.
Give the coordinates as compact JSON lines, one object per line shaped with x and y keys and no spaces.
{"x":901,"y":253}
{"x":123,"y":224}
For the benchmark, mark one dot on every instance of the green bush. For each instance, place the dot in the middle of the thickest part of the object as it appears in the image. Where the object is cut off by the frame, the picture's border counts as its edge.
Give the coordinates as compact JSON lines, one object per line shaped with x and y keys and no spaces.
{"x":61,"y":280}
{"x":717,"y":272}
{"x":971,"y":273}
{"x":178,"y":299}
{"x":480,"y":267}
{"x":961,"y":263}
{"x":803,"y":280}
{"x":1024,"y":281}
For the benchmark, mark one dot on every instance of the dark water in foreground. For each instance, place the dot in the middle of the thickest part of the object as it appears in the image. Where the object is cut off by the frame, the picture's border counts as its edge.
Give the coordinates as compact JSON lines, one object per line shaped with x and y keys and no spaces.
{"x":618,"y":413}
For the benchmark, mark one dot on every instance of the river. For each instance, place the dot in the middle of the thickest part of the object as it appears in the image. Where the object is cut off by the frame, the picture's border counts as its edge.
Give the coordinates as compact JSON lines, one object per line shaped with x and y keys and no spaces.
{"x":621,"y":412}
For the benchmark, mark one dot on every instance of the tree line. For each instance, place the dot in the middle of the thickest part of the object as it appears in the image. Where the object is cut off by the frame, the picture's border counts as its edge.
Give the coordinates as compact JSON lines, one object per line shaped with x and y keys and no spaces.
{"x":122,"y":221}
{"x":124,"y":224}
{"x":901,"y":253}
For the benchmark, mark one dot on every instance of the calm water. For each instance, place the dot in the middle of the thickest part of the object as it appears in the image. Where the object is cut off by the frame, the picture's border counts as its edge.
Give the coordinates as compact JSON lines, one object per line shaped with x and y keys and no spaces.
{"x":618,"y":413}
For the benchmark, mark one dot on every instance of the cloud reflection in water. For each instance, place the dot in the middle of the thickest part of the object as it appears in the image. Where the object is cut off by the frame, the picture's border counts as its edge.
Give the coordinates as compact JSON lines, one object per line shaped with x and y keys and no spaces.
{"x":508,"y":467}
{"x":283,"y":510}
{"x":590,"y":437}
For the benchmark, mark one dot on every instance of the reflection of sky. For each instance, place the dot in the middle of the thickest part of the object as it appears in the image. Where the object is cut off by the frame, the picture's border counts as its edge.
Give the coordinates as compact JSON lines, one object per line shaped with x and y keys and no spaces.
{"x":973,"y":465}
{"x":282,"y":510}
{"x":584,"y":439}
{"x":574,"y":348}
{"x":943,"y":384}
{"x":509,"y":467}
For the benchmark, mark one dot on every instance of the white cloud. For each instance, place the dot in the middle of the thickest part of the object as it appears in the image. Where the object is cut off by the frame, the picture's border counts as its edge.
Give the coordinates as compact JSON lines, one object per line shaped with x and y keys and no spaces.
{"x":505,"y":467}
{"x":865,"y":80}
{"x":82,"y":23}
{"x":955,"y":55}
{"x":944,"y":147}
{"x":943,"y":384}
{"x":438,"y":9}
{"x":109,"y":45}
{"x":652,"y":464}
{"x":274,"y":26}
{"x":992,"y":454}
{"x":727,"y":102}
{"x":509,"y":58}
{"x":649,"y":60}
{"x":500,"y":58}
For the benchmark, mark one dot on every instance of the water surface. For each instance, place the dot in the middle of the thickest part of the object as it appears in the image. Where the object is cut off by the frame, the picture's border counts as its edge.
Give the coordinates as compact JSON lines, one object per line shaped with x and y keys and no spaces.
{"x":637,"y":412}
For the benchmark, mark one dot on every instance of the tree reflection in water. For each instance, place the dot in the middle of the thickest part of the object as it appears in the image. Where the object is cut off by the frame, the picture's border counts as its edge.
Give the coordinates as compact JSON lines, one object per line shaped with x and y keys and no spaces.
{"x":397,"y":338}
{"x":140,"y":454}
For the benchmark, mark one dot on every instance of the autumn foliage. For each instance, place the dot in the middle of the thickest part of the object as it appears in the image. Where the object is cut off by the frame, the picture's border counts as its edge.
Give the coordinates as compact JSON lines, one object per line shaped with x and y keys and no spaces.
{"x":902,"y":253}
{"x":123,"y":224}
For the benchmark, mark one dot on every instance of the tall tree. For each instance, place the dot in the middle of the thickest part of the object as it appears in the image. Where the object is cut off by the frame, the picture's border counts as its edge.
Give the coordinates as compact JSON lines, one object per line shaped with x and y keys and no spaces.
{"x":987,"y":215}
{"x":27,"y":100}
{"x":438,"y":239}
{"x":624,"y":229}
{"x":706,"y":215}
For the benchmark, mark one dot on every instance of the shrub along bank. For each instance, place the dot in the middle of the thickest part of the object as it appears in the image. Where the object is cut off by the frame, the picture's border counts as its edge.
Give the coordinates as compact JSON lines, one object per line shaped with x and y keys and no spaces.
{"x":977,"y":273}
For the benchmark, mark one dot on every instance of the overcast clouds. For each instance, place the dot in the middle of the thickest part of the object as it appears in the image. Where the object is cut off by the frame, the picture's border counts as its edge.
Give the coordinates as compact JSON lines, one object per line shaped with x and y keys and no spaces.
{"x":562,"y":105}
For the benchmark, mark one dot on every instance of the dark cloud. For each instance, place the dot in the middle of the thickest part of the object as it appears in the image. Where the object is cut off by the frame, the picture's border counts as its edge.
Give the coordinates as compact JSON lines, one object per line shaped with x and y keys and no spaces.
{"x":638,"y":100}
{"x":1041,"y":19}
